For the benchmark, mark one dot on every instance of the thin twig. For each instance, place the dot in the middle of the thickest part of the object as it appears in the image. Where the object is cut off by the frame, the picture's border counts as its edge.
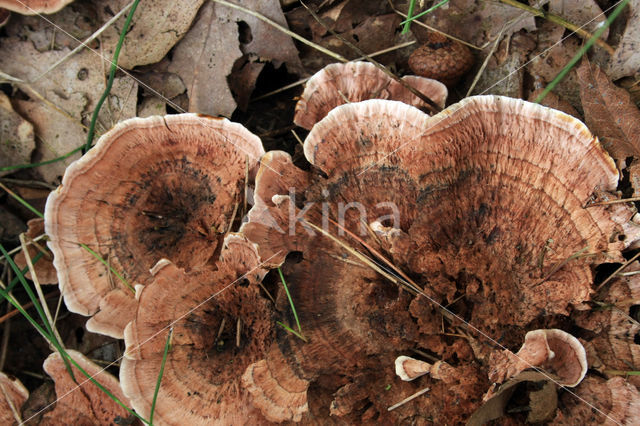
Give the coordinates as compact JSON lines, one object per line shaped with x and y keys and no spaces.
{"x":560,"y":265}
{"x":559,"y":21}
{"x":304,"y":80}
{"x":15,"y":312}
{"x":435,"y":30}
{"x":486,"y":61}
{"x":85,"y":42}
{"x":615,"y":273}
{"x":284,"y":30}
{"x":38,"y":287}
{"x":408,"y":399}
{"x":606,"y":203}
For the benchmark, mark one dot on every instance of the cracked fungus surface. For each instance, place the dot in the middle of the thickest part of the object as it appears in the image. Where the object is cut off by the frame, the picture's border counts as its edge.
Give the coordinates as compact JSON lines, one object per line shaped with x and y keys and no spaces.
{"x":162,"y":187}
{"x":489,"y":198}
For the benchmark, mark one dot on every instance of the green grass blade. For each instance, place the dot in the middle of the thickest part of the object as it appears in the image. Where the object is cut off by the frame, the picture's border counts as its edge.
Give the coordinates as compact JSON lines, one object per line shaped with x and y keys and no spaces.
{"x":105,"y":263}
{"x":291,"y":330}
{"x":112,"y":75}
{"x":293,"y":308}
{"x":32,"y":296}
{"x":16,"y":279}
{"x":412,"y":6}
{"x":167,"y":346}
{"x":65,"y":356}
{"x":562,"y":74}
{"x":22,"y":201}
{"x":42,"y":163}
{"x":421,"y":14}
{"x":93,"y":253}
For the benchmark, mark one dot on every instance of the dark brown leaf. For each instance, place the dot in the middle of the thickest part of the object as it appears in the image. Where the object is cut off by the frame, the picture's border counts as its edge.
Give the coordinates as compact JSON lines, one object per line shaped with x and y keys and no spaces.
{"x":609,"y":112}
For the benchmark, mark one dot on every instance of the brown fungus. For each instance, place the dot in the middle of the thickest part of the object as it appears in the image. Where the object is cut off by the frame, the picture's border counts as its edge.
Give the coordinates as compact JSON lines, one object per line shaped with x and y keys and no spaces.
{"x":554,"y":350}
{"x":13,"y":395}
{"x":482,"y":205}
{"x":203,"y":379}
{"x":80,"y":401}
{"x":34,"y":7}
{"x":44,"y":268}
{"x":600,"y":402}
{"x":160,"y":187}
{"x":337,"y":84}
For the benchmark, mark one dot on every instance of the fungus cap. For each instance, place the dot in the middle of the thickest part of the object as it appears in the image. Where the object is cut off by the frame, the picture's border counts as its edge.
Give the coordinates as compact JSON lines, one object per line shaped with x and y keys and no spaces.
{"x":337,"y":84}
{"x":13,"y":395}
{"x":81,"y":401}
{"x":44,"y":268}
{"x":34,"y":7}
{"x":202,"y":379}
{"x":159,"y":187}
{"x":466,"y":202}
{"x":552,"y":349}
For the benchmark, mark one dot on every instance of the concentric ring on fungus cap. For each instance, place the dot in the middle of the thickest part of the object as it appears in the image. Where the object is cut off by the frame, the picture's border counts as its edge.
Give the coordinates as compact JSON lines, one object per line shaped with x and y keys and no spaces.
{"x":337,"y":84}
{"x":160,"y":187}
{"x":203,"y":377}
{"x":490,"y":198}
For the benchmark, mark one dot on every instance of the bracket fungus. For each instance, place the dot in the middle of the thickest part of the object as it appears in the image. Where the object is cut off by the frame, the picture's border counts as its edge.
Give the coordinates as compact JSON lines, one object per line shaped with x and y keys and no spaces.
{"x":80,"y":401}
{"x":12,"y":395}
{"x":204,"y":380}
{"x":409,"y":369}
{"x":554,"y":350}
{"x":160,"y":187}
{"x":337,"y":84}
{"x":482,"y":206}
{"x":34,"y":7}
{"x":44,"y":269}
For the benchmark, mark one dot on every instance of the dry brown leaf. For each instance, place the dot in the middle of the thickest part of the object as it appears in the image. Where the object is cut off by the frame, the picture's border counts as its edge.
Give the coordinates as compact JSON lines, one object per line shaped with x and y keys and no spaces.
{"x":585,"y":13}
{"x":263,"y":40}
{"x":609,"y":112}
{"x":16,"y":136}
{"x":77,"y":20}
{"x":259,"y":43}
{"x":556,"y":102}
{"x":204,"y":58}
{"x":478,"y":22}
{"x":57,"y":134}
{"x":10,"y":225}
{"x":504,"y":73}
{"x":495,"y":406}
{"x":626,"y":59}
{"x":152,"y":106}
{"x":550,"y":56}
{"x":156,"y":27}
{"x":71,"y":92}
{"x":45,"y":271}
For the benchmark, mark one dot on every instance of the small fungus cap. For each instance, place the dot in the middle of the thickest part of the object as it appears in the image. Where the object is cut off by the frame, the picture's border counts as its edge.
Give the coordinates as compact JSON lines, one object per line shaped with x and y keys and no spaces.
{"x":159,"y":187}
{"x":12,"y":396}
{"x":337,"y":84}
{"x":202,"y":380}
{"x":81,"y":401}
{"x":554,"y":350}
{"x":34,"y":7}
